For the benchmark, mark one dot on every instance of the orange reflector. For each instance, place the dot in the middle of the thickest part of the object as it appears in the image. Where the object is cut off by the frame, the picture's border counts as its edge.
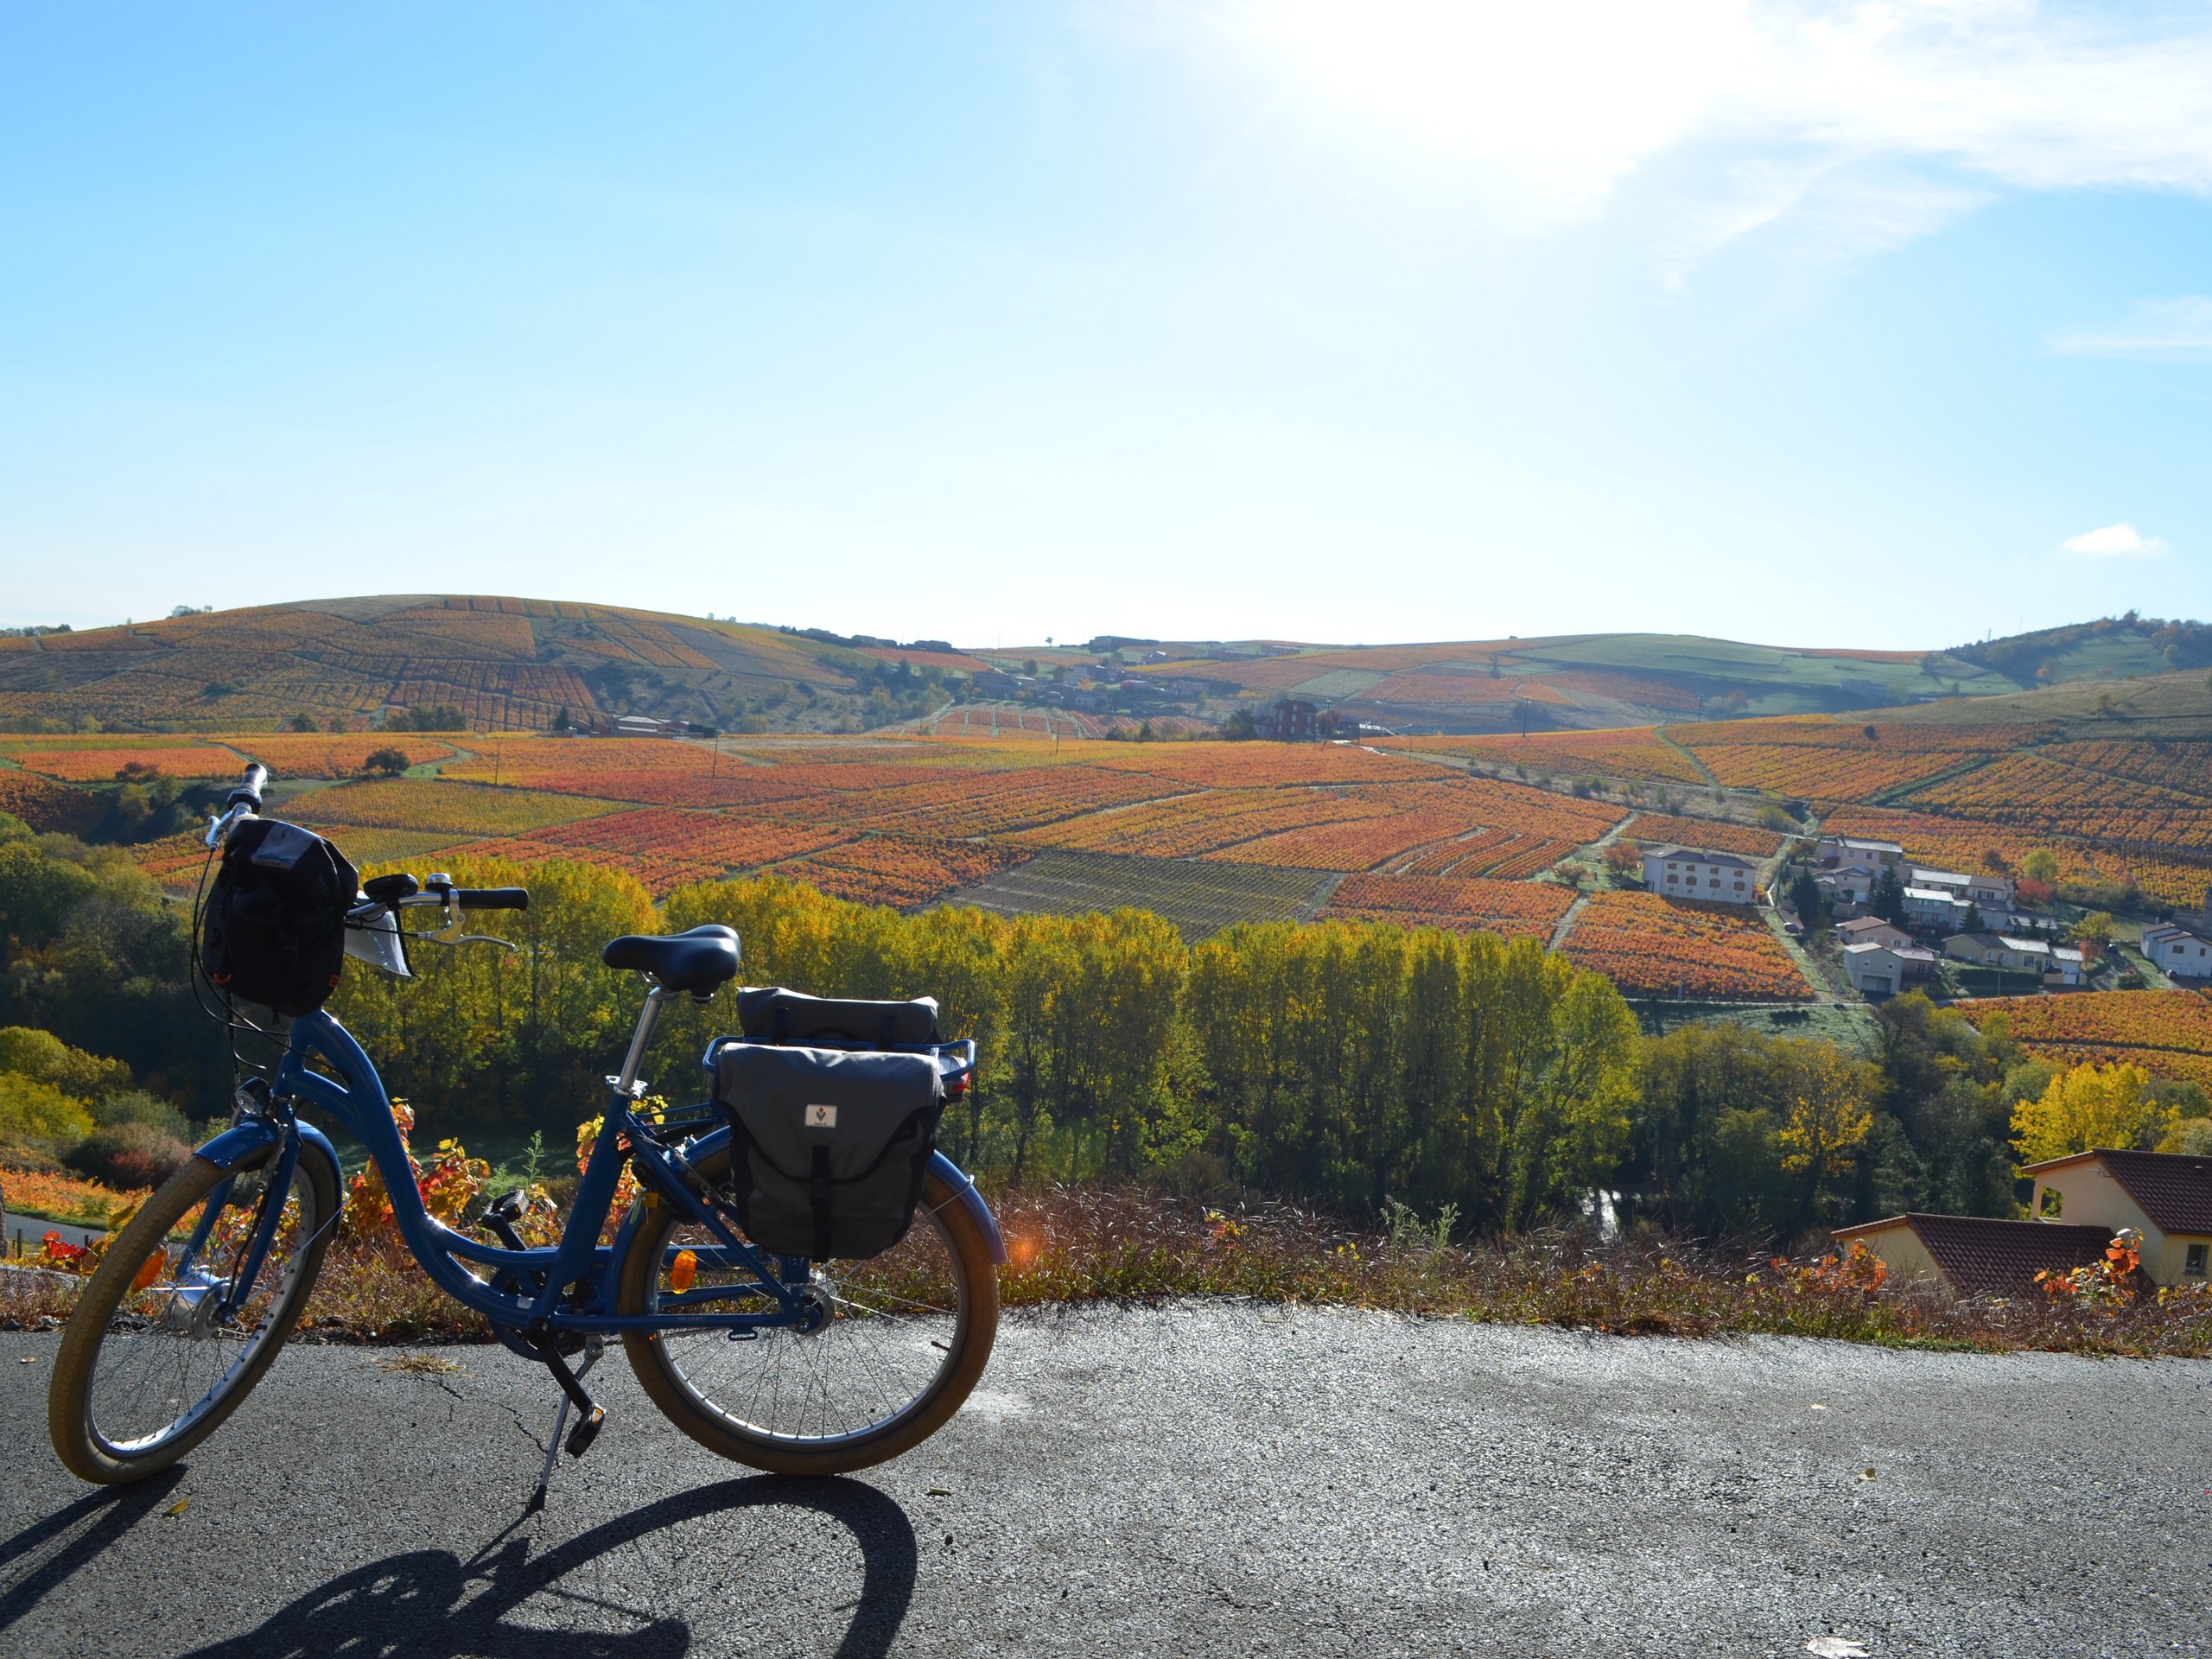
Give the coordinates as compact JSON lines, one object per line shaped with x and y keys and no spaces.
{"x":683,"y":1271}
{"x":151,"y":1271}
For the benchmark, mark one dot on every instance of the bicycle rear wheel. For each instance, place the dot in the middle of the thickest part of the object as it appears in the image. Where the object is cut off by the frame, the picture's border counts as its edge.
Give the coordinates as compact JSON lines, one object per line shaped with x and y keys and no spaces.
{"x":147,"y":1369}
{"x":909,"y":1333}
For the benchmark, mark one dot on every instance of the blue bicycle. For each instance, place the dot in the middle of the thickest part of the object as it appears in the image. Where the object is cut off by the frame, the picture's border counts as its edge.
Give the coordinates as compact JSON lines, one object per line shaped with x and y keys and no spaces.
{"x":793,"y":1364}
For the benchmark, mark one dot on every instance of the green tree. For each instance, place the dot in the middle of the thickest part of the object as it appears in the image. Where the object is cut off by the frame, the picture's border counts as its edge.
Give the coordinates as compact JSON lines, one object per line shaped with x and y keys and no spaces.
{"x":1886,"y":900}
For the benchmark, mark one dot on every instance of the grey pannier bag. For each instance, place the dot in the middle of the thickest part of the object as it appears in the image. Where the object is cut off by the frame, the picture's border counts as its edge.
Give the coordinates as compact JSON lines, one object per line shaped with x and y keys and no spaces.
{"x":828,"y":1147}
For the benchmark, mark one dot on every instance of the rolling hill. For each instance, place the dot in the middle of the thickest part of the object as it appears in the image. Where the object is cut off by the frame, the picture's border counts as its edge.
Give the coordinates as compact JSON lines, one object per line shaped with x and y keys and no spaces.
{"x":1592,"y":681}
{"x":507,"y":664}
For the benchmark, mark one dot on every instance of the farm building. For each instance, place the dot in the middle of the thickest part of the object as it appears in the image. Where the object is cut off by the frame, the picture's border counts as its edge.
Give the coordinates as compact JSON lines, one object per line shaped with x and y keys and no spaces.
{"x":1294,"y":721}
{"x":1690,"y":872}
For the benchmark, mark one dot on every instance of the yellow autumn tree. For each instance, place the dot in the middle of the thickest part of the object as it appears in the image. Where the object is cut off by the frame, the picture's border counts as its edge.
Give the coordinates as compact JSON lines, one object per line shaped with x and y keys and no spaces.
{"x":1830,"y":1116}
{"x":2087,"y":1107}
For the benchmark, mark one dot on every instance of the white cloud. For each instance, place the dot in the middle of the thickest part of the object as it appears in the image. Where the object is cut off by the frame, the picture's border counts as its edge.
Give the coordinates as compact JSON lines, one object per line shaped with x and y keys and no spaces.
{"x":2114,"y":542}
{"x":2167,"y":330}
{"x":1550,"y":109}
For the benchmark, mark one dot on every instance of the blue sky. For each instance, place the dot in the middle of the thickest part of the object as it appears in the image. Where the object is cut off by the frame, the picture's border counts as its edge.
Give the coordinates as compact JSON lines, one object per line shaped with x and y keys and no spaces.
{"x":1397,"y":319}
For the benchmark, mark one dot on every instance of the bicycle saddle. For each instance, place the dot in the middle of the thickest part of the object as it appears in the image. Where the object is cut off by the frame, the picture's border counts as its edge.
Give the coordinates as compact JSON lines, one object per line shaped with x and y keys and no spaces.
{"x":696,"y":962}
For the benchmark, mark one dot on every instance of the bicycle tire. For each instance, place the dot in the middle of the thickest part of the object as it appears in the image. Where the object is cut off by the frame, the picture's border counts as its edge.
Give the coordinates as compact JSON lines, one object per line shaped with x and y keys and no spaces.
{"x":137,"y":1326}
{"x":673,"y":1366}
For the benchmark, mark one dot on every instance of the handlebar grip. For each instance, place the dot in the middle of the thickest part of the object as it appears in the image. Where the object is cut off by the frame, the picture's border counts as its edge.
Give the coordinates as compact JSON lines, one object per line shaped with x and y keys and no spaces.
{"x":492,"y":897}
{"x":248,"y":793}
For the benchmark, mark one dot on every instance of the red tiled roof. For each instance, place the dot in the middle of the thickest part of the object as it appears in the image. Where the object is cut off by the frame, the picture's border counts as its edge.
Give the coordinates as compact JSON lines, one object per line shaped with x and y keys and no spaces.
{"x":1982,"y":1256}
{"x":2174,"y":1190}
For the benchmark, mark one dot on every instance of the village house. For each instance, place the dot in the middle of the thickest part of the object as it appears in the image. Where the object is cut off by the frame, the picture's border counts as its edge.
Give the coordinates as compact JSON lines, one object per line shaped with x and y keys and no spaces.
{"x":1885,"y":969}
{"x":1872,"y":930}
{"x":1984,"y":888}
{"x":2068,"y":966}
{"x":1850,"y":850}
{"x":2177,"y":951}
{"x":2166,"y":1196}
{"x":1849,"y":888}
{"x":1689,"y":872}
{"x":1933,"y":908}
{"x":2080,"y":1202}
{"x":1976,"y":1255}
{"x":2014,"y":955}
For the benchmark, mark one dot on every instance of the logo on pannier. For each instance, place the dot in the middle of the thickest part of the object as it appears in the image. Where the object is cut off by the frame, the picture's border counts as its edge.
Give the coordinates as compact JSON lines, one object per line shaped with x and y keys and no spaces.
{"x":822,"y":1117}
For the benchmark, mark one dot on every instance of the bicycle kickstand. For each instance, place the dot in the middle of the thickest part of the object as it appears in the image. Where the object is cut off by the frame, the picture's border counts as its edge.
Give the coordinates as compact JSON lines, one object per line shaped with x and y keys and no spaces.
{"x":589,"y":1420}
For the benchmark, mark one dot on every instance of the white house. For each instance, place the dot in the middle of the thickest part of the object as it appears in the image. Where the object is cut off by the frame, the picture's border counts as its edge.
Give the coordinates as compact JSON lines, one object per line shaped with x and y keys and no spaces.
{"x":1687,"y":873}
{"x":2178,"y":952}
{"x":2068,"y":966}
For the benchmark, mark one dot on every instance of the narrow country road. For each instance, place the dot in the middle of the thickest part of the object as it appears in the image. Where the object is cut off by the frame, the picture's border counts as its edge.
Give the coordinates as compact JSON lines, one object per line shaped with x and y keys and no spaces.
{"x":1215,"y":1479}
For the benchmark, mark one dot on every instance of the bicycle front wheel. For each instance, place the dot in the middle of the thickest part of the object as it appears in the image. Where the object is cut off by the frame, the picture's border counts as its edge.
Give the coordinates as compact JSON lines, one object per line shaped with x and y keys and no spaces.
{"x":908,"y":1333}
{"x":150,"y":1366}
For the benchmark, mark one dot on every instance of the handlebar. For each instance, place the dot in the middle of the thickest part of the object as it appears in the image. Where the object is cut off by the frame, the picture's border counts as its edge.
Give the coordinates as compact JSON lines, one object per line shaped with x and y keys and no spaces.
{"x":490,"y":897}
{"x":244,"y":802}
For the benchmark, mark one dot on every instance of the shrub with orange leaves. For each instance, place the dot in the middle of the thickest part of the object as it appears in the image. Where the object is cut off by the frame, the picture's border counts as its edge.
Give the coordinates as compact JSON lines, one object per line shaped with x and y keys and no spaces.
{"x":2109,"y":1283}
{"x":1857,"y":1268}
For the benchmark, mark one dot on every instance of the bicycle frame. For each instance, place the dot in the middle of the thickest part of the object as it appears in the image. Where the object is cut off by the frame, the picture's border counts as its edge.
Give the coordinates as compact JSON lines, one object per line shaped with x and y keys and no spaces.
{"x":361,"y":1104}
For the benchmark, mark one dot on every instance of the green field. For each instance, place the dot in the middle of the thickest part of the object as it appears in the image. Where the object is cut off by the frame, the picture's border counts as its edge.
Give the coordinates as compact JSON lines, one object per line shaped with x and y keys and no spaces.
{"x":1200,"y":897}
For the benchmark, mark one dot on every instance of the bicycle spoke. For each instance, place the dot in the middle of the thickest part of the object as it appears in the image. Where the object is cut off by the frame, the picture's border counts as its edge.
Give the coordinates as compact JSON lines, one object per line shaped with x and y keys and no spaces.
{"x":887,"y":1341}
{"x":167,"y":1358}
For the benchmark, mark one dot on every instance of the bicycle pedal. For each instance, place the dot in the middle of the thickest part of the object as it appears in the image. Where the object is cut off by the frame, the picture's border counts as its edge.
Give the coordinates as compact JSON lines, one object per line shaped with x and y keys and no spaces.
{"x":586,"y":1431}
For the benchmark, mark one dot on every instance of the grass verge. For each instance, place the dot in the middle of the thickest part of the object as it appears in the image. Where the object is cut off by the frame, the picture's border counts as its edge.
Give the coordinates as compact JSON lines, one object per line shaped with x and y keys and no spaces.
{"x":1070,"y":1244}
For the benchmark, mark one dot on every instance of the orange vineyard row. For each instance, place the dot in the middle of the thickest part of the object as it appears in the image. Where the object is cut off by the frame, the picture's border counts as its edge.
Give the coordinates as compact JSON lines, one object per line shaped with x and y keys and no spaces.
{"x":1654,"y":946}
{"x":1514,"y":909}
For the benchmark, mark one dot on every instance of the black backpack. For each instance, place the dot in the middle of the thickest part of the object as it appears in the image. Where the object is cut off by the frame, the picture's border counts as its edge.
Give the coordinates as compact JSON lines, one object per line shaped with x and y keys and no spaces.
{"x":274,"y":931}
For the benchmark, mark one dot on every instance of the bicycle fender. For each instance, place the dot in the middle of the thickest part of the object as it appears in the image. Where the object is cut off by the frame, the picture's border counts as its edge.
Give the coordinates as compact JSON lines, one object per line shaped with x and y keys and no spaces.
{"x":234,"y":1145}
{"x":972,"y":1201}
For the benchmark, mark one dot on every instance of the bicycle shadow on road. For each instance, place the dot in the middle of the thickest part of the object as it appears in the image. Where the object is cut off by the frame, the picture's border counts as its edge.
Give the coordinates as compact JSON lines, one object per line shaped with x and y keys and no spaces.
{"x":431,"y":1605}
{"x":113,"y":1511}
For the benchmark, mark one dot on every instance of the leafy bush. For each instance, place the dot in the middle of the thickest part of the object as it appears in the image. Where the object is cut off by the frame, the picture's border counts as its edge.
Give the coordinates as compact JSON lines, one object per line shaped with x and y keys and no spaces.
{"x":41,"y":1055}
{"x":31,"y":1106}
{"x":129,"y":1155}
{"x":136,"y":1106}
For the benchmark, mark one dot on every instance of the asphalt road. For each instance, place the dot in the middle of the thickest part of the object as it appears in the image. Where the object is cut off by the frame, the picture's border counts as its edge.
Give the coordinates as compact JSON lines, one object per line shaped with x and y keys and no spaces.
{"x":1200,"y":1480}
{"x":24,"y":1232}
